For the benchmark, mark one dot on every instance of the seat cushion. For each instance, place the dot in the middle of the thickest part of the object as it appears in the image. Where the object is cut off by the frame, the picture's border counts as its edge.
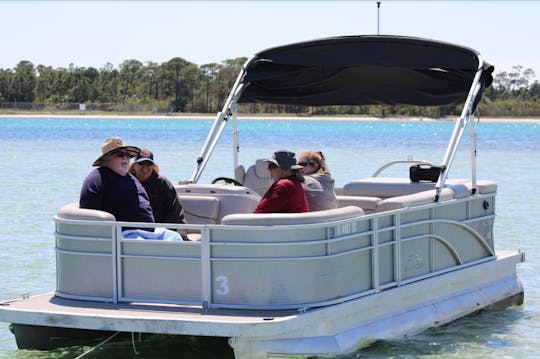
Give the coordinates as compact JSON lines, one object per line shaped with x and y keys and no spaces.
{"x":385,"y":187}
{"x":364,"y":202}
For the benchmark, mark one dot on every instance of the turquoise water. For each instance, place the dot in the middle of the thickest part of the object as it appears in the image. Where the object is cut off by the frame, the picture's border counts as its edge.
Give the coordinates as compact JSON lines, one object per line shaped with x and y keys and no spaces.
{"x":45,"y":160}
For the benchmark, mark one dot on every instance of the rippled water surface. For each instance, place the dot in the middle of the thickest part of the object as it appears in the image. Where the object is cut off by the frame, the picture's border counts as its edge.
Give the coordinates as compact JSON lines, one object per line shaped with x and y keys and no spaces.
{"x":44,"y":161}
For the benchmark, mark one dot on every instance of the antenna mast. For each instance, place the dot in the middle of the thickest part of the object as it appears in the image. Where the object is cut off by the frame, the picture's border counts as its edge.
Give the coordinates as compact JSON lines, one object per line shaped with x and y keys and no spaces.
{"x":378,"y":16}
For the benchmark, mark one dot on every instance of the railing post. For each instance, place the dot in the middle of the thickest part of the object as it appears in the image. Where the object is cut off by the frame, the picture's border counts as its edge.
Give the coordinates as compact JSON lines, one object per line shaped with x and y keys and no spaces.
{"x":375,"y":255}
{"x":116,"y":261}
{"x":397,"y":257}
{"x":431,"y":243}
{"x":206,"y":283}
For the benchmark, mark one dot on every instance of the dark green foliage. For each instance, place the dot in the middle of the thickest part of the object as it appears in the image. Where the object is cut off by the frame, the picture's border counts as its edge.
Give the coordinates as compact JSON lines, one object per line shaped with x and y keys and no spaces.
{"x":181,"y":86}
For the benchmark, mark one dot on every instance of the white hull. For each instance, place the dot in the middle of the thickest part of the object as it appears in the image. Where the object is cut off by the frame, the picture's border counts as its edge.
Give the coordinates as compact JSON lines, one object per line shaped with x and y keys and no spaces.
{"x":347,"y":327}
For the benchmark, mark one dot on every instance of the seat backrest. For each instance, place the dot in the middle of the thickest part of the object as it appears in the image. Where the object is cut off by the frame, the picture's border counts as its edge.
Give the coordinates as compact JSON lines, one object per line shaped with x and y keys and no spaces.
{"x":200,"y":209}
{"x":258,"y":177}
{"x":73,"y":211}
{"x":84,"y":244}
{"x":273,"y":219}
{"x":383,"y":187}
{"x":230,"y":199}
{"x":364,"y":202}
{"x":415,"y":199}
{"x":239,"y":173}
{"x":87,"y":227}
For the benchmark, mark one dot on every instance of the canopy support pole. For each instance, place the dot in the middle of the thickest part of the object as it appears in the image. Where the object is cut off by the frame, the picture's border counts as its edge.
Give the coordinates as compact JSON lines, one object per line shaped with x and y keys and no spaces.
{"x":472,"y":137}
{"x":228,"y":111}
{"x":235,"y":135}
{"x":464,"y":119}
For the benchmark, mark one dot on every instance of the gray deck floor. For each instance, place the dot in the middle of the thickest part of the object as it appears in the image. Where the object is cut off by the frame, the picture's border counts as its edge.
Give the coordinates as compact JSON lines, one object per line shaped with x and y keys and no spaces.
{"x":49,"y":310}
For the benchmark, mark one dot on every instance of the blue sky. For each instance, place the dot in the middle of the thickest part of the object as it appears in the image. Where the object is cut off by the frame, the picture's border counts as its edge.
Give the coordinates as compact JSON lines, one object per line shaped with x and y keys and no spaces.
{"x":94,"y":33}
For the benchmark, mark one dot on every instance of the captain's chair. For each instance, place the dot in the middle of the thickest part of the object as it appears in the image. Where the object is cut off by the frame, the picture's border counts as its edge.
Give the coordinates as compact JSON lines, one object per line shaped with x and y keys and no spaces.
{"x":258,"y":177}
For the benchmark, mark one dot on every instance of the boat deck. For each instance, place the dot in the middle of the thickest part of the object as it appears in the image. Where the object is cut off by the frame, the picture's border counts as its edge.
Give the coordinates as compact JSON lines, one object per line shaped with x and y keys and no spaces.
{"x":49,"y":310}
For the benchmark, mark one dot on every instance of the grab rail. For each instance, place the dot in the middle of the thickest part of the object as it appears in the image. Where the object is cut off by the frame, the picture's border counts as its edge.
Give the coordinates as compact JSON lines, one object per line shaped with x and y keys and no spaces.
{"x":393,"y":163}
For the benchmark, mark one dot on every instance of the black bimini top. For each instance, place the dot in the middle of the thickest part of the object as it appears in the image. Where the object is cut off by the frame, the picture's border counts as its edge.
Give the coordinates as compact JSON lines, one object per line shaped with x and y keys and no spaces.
{"x":364,"y":70}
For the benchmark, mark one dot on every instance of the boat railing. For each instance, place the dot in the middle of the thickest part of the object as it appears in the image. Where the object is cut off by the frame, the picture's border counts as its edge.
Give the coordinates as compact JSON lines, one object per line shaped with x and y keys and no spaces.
{"x":289,"y":265}
{"x":395,"y":163}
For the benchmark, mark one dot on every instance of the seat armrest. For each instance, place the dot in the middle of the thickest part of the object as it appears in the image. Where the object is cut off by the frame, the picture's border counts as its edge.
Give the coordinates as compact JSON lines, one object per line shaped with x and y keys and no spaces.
{"x":72,"y":211}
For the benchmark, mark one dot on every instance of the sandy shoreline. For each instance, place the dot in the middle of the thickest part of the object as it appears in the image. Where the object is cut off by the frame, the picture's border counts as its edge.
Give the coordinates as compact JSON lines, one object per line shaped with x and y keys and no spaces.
{"x":268,"y":117}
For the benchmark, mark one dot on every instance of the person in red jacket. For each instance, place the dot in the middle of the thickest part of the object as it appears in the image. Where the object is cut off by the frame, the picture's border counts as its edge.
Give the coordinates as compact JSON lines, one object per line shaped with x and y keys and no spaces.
{"x":286,"y":195}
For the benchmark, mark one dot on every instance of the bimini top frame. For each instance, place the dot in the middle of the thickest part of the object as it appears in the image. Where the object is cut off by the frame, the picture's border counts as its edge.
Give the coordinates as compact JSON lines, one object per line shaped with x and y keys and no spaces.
{"x":360,"y":70}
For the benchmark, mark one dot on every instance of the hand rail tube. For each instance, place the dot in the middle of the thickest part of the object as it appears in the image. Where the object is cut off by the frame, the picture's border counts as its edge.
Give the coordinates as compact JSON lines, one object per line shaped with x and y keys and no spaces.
{"x":219,"y":125}
{"x":459,"y":128}
{"x":393,"y":163}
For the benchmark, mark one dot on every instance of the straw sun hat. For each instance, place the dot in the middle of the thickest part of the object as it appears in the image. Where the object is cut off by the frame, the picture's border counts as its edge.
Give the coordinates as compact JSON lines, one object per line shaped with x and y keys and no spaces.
{"x":112,"y":144}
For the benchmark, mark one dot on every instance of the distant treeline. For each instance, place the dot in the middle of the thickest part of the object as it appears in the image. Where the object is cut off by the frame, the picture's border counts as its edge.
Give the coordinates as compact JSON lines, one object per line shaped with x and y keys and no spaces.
{"x":181,"y":86}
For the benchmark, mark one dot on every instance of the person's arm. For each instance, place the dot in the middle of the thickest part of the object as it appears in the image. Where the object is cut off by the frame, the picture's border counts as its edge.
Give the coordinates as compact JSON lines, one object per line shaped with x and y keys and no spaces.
{"x":174,"y":211}
{"x":91,"y":192}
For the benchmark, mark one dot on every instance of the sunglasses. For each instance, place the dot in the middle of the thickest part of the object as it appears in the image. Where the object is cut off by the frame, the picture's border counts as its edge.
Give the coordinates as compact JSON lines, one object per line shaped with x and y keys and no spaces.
{"x":304,"y":164}
{"x":272,"y":166}
{"x":123,"y":154}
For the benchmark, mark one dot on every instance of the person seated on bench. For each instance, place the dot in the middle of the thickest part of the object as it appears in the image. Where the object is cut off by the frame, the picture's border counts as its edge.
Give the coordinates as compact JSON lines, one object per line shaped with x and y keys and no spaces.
{"x":166,"y":206}
{"x":286,"y":194}
{"x":318,"y":184}
{"x":111,"y":188}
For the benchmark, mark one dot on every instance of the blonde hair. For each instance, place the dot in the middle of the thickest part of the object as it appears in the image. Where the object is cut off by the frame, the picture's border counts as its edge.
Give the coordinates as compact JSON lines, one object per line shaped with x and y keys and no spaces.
{"x":317,"y":158}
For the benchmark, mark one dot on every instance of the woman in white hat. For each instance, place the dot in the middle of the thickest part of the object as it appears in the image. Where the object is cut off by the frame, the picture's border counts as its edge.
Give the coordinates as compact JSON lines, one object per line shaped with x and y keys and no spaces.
{"x":286,"y":195}
{"x":112,"y":189}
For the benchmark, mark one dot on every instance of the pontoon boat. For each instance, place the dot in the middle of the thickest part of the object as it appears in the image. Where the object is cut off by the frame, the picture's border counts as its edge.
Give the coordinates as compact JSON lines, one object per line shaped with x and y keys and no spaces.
{"x":399,"y":255}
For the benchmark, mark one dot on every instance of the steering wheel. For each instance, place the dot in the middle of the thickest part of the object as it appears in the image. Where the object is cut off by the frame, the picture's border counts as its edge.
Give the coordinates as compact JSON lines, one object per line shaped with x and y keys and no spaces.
{"x":227,"y":180}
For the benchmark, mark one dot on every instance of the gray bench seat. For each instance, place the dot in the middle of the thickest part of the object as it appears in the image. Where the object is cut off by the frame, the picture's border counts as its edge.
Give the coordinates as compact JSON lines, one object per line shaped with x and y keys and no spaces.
{"x":393,"y":187}
{"x":412,"y":200}
{"x":209,"y":203}
{"x":383,"y":194}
